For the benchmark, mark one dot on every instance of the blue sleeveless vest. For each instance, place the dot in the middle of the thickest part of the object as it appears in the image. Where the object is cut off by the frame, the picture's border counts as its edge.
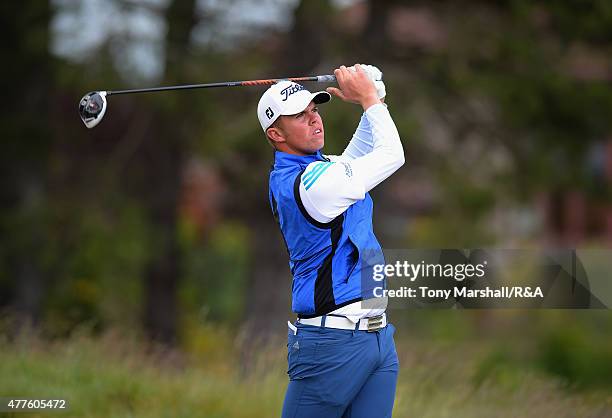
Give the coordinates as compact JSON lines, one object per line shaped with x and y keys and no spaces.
{"x":331,"y":263}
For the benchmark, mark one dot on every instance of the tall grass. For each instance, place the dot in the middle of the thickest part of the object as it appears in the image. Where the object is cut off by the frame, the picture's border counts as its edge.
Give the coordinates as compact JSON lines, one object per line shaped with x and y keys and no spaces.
{"x":117,"y":375}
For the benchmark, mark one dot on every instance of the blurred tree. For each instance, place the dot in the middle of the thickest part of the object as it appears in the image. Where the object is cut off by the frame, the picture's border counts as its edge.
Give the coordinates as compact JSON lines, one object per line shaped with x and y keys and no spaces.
{"x":375,"y":42}
{"x":26,"y":133}
{"x":307,"y":38}
{"x":165,"y":149}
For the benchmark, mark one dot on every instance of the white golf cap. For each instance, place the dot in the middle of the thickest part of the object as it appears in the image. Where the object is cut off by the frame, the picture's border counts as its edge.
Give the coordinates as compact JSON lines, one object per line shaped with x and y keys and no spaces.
{"x":286,"y":98}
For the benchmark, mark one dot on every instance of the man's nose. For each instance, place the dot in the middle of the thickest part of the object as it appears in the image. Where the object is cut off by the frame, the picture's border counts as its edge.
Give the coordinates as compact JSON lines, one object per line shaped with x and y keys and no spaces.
{"x":314,"y":117}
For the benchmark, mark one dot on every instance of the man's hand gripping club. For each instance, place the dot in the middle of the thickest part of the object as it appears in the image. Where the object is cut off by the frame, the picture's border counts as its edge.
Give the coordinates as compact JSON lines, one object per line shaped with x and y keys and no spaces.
{"x":355,"y":86}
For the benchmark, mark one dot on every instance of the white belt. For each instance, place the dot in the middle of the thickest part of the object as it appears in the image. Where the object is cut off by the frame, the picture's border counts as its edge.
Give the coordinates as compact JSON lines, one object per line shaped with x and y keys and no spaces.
{"x":341,"y":322}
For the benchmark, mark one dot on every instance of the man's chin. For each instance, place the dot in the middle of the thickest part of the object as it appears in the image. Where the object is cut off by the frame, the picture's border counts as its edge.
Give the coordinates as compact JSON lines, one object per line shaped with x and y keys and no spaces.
{"x":319,"y":143}
{"x":314,"y":146}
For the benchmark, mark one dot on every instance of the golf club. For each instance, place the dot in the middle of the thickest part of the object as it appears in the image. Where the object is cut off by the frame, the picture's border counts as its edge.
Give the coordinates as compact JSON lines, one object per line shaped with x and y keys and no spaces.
{"x":92,"y":106}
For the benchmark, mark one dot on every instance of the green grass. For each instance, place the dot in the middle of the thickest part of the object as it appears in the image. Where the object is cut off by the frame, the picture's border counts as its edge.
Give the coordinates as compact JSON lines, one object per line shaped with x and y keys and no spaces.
{"x":116,"y":376}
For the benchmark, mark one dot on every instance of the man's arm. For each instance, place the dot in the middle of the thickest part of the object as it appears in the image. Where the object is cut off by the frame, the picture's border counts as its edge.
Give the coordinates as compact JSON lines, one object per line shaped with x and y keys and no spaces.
{"x":327,"y":189}
{"x":362,"y":142}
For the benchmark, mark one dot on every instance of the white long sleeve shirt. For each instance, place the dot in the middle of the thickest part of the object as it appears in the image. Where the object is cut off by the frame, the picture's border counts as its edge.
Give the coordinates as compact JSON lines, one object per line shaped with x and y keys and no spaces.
{"x":327,"y":189}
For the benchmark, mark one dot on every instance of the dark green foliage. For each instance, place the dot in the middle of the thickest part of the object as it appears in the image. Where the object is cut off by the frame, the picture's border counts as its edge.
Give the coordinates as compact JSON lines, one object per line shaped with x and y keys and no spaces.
{"x":580,"y":358}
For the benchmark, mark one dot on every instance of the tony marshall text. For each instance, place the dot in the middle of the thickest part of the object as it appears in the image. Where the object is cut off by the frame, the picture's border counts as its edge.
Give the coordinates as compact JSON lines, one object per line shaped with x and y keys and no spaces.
{"x":507,"y":292}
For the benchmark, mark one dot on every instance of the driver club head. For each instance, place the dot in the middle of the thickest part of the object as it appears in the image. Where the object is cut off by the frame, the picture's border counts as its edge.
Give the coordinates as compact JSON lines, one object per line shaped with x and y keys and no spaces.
{"x":92,"y":108}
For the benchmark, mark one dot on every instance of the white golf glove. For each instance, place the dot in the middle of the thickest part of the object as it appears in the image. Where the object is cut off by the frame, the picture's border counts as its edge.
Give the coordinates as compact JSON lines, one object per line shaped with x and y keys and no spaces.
{"x":376,"y":76}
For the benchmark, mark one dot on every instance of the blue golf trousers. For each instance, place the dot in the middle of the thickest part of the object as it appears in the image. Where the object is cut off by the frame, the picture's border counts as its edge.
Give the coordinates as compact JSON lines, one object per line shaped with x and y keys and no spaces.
{"x":336,"y":373}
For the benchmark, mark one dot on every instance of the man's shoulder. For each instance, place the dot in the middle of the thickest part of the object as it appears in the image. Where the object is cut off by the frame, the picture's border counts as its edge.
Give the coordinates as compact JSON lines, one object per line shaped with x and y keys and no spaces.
{"x":282,"y":180}
{"x":279,"y":172}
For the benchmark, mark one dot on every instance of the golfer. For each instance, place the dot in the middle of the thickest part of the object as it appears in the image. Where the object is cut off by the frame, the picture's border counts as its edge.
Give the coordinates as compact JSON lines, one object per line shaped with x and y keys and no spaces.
{"x":341,"y":354}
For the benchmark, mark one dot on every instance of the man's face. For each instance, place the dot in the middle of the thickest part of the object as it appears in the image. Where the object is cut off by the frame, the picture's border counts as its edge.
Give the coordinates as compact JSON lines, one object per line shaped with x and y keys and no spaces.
{"x":299,"y":134}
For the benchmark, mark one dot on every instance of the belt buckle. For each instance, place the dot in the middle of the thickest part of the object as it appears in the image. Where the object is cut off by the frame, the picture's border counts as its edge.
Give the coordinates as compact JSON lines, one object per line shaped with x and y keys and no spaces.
{"x":375,"y":323}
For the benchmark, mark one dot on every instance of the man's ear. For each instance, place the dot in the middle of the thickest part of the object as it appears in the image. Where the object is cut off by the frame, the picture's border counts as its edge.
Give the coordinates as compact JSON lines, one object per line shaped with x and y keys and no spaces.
{"x":275,"y":134}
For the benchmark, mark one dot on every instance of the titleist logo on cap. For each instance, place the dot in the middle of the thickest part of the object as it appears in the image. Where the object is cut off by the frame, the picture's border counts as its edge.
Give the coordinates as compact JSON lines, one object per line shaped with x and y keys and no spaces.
{"x":288,"y":91}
